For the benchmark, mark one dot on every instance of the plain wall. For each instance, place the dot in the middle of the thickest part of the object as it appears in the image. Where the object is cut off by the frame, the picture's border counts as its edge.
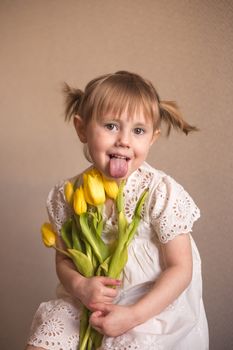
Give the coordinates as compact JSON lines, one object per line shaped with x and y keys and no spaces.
{"x":185,"y":48}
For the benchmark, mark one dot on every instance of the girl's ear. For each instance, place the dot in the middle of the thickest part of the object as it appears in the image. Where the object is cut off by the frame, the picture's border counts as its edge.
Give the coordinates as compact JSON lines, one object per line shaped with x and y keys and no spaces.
{"x":80,"y":128}
{"x":155,"y":136}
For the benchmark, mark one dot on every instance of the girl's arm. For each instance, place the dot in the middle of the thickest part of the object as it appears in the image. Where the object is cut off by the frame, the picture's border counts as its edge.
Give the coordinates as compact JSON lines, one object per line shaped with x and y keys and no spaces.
{"x":114,"y":320}
{"x":89,"y":290}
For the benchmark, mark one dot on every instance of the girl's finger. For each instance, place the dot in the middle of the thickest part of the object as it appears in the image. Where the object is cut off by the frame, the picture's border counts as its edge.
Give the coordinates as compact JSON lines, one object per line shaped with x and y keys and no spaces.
{"x":96,"y":319}
{"x":103,"y":309}
{"x":107,"y":300}
{"x":107,"y":281}
{"x":101,"y":306}
{"x":110,"y":292}
{"x":94,"y":324}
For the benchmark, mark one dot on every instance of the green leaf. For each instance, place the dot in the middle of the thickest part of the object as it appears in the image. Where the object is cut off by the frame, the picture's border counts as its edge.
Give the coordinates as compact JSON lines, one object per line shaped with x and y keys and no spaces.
{"x":136,"y":218}
{"x":82,"y":262}
{"x":75,"y":237}
{"x":140,"y":202}
{"x":103,"y":267}
{"x":132,"y":229}
{"x":122,"y":225}
{"x":89,"y":252}
{"x":100,"y":249}
{"x":66,"y":233}
{"x":118,"y":262}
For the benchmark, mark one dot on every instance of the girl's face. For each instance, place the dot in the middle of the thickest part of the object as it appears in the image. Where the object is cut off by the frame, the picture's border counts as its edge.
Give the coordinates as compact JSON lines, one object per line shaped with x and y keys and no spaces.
{"x":118,"y":146}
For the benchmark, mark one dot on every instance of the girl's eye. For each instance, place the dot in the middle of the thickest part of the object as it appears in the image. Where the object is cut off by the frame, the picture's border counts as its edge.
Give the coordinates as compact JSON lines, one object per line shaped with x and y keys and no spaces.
{"x":139,"y":131}
{"x":111,"y":126}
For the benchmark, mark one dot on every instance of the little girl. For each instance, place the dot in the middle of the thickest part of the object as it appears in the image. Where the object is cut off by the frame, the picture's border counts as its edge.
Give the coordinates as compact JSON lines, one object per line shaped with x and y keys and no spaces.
{"x":157,"y":304}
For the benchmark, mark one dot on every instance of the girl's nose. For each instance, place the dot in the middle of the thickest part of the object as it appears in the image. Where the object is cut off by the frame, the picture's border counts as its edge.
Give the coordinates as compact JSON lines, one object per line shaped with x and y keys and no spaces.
{"x":123,"y":140}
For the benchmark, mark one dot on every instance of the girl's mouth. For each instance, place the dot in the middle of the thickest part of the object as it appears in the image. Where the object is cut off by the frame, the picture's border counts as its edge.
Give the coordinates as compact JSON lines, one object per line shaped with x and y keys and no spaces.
{"x":118,"y":156}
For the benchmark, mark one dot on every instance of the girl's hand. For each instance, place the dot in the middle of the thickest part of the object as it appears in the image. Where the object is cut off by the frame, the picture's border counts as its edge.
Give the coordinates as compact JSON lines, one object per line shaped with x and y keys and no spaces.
{"x":113,"y":320}
{"x":90,"y":291}
{"x":97,"y":290}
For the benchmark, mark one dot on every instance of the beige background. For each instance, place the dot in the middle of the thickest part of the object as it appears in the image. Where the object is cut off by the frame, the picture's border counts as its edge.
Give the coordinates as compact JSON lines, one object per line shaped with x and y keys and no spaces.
{"x":185,"y":48}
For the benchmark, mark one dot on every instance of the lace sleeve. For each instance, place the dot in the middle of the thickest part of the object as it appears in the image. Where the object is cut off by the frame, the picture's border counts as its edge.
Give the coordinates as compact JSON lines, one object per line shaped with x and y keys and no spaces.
{"x":57,"y":207}
{"x":172,"y":210}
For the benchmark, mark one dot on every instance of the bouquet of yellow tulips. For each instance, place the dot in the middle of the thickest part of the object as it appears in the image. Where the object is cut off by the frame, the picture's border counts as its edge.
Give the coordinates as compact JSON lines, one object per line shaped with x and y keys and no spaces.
{"x":82,"y":232}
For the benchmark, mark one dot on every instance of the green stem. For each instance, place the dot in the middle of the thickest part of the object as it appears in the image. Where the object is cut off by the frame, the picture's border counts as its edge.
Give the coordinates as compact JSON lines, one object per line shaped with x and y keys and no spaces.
{"x":89,"y":344}
{"x":85,"y":338}
{"x":84,"y":321}
{"x":120,"y":197}
{"x":62,"y":251}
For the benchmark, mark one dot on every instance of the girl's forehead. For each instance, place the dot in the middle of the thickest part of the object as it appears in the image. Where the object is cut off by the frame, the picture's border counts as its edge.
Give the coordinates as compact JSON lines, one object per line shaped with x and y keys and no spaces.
{"x":138,"y":115}
{"x":128,"y":108}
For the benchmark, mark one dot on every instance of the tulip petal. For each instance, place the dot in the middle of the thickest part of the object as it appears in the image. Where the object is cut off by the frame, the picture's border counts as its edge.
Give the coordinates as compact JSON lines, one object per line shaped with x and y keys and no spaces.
{"x":48,"y":235}
{"x":80,"y":205}
{"x":111,"y":188}
{"x":93,"y":187}
{"x":69,"y":191}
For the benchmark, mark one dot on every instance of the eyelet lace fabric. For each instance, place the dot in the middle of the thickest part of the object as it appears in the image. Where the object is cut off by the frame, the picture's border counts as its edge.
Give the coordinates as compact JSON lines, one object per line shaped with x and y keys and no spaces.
{"x":58,"y":209}
{"x":55,"y":326}
{"x":168,"y":212}
{"x":172,"y":210}
{"x":130,"y":342}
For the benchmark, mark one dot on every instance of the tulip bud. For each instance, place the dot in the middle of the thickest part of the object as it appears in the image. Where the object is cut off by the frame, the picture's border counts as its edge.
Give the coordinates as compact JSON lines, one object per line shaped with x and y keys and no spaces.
{"x":48,"y":235}
{"x":111,"y":188}
{"x":80,"y":205}
{"x":69,"y":191}
{"x":93,"y":187}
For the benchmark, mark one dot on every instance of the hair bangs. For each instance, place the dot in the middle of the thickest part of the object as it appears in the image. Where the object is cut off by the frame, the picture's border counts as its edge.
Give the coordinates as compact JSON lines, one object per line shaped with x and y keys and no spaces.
{"x":115,"y":98}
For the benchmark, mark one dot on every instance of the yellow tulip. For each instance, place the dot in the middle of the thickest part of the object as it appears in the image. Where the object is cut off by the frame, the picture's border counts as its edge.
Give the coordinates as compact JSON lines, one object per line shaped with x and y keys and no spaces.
{"x":80,"y":205}
{"x":111,"y":188}
{"x":48,"y":235}
{"x":69,"y":191}
{"x":93,"y":187}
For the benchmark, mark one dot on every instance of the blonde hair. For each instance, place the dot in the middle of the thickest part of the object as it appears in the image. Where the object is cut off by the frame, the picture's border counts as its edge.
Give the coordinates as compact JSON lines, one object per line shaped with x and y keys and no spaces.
{"x":120,"y":91}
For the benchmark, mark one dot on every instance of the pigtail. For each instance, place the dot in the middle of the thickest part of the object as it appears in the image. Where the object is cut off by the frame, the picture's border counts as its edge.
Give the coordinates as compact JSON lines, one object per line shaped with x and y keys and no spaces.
{"x":73,"y":99}
{"x":171,"y":115}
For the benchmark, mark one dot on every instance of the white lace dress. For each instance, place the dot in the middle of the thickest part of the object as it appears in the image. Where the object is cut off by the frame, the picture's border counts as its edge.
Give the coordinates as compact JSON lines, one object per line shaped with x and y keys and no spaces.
{"x":169,"y":211}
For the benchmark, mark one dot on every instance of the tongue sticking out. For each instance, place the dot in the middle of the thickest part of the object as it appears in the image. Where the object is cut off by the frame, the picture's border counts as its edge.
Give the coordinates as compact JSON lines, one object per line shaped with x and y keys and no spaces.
{"x":118,"y":167}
